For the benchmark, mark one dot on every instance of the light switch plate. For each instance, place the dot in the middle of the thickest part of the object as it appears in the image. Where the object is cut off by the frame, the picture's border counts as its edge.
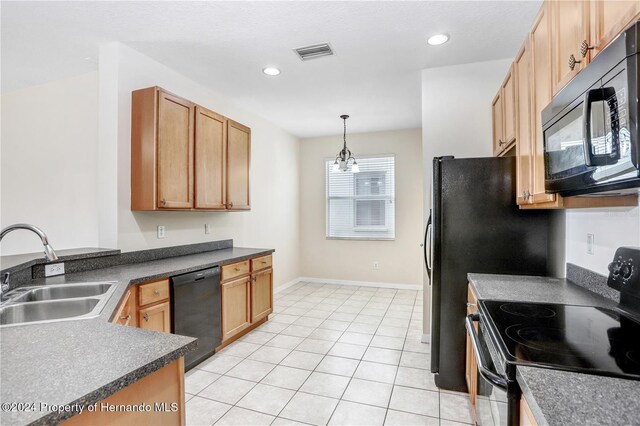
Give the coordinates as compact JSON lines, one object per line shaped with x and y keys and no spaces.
{"x":160,"y":231}
{"x":207,"y":228}
{"x":589,"y":243}
{"x":54,"y":269}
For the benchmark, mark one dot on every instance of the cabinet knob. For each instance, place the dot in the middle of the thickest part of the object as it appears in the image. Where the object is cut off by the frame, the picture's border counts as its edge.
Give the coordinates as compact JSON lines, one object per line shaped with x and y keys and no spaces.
{"x":469,"y":305}
{"x":526,"y":195}
{"x":500,"y":142}
{"x":264,"y":262}
{"x":584,"y":48}
{"x":254,"y":279}
{"x":156,"y":292}
{"x":237,"y":269}
{"x":146,"y":317}
{"x":573,"y":62}
{"x":163,"y":202}
{"x":127,"y":318}
{"x":230,"y":205}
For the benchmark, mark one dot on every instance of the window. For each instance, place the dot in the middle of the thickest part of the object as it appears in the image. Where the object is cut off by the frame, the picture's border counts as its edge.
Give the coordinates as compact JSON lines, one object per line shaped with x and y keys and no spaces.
{"x":361,"y":206}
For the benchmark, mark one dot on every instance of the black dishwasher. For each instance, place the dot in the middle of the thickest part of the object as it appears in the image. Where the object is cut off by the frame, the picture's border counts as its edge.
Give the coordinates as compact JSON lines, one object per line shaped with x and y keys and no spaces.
{"x":195,"y":312}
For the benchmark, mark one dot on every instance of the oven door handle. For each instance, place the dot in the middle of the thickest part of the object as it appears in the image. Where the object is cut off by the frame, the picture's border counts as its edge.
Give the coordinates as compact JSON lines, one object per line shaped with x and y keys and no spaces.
{"x":491,"y":376}
{"x":607,"y":94}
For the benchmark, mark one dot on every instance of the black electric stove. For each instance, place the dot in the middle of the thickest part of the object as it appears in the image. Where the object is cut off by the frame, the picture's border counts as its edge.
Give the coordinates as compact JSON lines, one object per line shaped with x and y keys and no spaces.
{"x":574,"y":338}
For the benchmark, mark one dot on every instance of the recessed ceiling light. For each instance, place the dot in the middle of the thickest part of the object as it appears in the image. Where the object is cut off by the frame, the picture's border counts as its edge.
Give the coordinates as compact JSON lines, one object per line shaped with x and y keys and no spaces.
{"x":438,"y":39}
{"x":271,"y":71}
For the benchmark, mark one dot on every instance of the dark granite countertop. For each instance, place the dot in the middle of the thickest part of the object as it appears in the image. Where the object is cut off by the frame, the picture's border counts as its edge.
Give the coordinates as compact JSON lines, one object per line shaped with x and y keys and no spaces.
{"x":84,"y":361}
{"x":558,"y":397}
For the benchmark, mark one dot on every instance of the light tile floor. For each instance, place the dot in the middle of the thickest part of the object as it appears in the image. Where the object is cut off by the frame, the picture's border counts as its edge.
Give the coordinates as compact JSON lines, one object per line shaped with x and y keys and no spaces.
{"x":329,"y":354}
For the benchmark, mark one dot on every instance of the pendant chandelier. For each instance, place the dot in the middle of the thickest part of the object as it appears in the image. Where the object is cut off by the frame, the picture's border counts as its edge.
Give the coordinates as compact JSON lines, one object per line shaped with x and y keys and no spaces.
{"x":345,"y":157}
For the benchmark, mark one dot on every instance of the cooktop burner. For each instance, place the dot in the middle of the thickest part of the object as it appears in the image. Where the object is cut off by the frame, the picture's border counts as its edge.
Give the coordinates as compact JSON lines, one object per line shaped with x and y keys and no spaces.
{"x":576,"y":338}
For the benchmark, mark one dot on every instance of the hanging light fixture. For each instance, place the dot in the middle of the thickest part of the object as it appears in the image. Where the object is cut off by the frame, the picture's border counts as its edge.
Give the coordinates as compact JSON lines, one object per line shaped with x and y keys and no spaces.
{"x":345,"y":157}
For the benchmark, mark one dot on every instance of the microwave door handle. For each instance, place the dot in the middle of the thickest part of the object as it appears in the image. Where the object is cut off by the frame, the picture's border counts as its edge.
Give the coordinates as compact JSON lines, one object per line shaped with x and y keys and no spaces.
{"x":598,"y":95}
{"x":489,"y":375}
{"x":589,"y":98}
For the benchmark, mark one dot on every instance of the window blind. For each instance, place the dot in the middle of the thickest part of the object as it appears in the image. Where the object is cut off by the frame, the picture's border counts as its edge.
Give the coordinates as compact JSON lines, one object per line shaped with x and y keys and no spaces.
{"x":361,"y":206}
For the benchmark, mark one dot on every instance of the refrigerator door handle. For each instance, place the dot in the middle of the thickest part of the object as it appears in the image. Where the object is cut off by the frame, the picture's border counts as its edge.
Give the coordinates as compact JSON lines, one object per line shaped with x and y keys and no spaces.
{"x":428,"y":248}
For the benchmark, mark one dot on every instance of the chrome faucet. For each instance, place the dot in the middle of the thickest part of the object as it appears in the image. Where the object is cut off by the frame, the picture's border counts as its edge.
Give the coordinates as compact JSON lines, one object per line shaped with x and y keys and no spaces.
{"x":49,"y":253}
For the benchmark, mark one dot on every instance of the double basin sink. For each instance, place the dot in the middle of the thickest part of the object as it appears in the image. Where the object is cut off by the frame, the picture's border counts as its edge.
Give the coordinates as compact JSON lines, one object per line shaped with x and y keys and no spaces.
{"x":28,"y":305}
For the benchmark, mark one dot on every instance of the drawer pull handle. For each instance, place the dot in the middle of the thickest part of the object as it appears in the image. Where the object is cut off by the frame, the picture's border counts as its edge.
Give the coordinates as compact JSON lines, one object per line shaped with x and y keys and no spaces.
{"x":127,"y":318}
{"x":264,"y":262}
{"x":237,"y":269}
{"x":156,"y":292}
{"x":146,"y":317}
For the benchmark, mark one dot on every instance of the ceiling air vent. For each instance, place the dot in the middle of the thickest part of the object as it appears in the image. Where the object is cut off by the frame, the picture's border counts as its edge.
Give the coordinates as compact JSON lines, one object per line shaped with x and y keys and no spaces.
{"x":315,"y":51}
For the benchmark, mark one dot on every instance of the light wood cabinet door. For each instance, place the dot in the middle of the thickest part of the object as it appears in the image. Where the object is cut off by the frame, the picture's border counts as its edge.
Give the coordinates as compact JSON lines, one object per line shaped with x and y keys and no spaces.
{"x":126,"y":312}
{"x":541,"y":93}
{"x":471,"y":367}
{"x":497,"y":124}
{"x":509,"y":109}
{"x":261,"y":295}
{"x":236,"y":303}
{"x":238,"y":163}
{"x":524,"y":146}
{"x":210,"y":160}
{"x":570,"y":27}
{"x":526,"y":416}
{"x":609,"y":18}
{"x":175,"y":152}
{"x":156,"y":317}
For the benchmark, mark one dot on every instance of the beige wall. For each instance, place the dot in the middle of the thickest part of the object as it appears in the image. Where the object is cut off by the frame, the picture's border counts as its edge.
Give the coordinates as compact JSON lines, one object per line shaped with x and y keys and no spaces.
{"x":48,"y":160}
{"x":400,"y":260}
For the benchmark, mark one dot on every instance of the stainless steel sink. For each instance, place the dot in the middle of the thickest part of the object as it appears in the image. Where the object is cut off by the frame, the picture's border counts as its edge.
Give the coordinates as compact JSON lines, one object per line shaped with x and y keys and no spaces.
{"x":62,"y":292}
{"x":58,"y":302}
{"x":46,"y":311}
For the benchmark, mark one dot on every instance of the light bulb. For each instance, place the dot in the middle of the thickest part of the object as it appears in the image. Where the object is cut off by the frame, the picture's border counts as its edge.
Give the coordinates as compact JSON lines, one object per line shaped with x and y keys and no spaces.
{"x":355,"y":168}
{"x":336,"y":166}
{"x":343,"y":166}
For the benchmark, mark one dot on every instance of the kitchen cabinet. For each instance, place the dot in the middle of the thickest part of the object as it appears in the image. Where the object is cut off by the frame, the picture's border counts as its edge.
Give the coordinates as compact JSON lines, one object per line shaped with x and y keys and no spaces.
{"x":608,"y":19}
{"x":165,"y":386}
{"x":238,"y":165}
{"x":471,"y":367}
{"x":156,"y":317}
{"x":210,"y":160}
{"x":261,"y":294}
{"x":503,"y":113}
{"x":236,"y":306}
{"x":247,"y":296}
{"x":126,"y":312}
{"x":186,"y":157}
{"x":570,"y":29}
{"x":526,"y":416}
{"x":524,"y":145}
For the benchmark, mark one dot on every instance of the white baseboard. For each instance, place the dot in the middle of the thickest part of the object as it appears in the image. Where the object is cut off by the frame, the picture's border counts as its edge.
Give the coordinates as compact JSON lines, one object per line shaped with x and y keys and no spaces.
{"x":426,"y":338}
{"x":285,"y":286}
{"x":396,"y":286}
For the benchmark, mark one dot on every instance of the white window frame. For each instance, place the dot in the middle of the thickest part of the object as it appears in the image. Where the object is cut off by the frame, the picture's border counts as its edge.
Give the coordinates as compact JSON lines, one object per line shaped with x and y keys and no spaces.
{"x":361,"y":228}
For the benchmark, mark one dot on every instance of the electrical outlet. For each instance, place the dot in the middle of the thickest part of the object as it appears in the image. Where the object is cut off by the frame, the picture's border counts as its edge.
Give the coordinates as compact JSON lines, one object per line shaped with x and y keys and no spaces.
{"x":207,"y":228}
{"x":54,"y":269}
{"x":160,"y":231}
{"x":589,"y":243}
{"x":376,"y":265}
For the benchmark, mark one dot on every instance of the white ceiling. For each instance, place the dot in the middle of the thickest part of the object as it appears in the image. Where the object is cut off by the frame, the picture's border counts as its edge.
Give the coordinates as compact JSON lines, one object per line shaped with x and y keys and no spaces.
{"x":374,"y":77}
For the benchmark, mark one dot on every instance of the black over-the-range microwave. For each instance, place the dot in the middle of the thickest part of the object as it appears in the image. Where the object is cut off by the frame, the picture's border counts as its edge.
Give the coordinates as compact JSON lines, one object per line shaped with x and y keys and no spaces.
{"x":591,"y":141}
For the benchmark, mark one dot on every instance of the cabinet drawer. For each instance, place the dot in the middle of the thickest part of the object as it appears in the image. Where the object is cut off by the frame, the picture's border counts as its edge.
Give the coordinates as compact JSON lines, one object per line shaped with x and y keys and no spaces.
{"x":260,"y":263}
{"x":153,"y":292}
{"x":235,"y":270}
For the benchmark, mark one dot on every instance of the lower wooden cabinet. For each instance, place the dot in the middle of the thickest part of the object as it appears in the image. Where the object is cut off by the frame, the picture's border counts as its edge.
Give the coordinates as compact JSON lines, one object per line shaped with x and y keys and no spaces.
{"x":155,"y":317}
{"x":471,"y":367}
{"x":126,"y":312}
{"x":236,"y":306}
{"x":526,"y":416}
{"x":162,"y":390}
{"x":247,"y":296}
{"x":261,"y":295}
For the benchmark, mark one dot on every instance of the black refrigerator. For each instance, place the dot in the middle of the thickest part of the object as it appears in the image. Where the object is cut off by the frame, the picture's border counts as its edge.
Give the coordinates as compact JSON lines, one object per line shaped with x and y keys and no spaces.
{"x":474,"y":226}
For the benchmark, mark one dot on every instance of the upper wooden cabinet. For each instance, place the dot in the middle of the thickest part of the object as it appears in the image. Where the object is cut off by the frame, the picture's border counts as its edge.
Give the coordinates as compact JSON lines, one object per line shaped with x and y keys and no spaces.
{"x":608,"y":19}
{"x":570,"y":29}
{"x":524,"y":146}
{"x":503,"y":113}
{"x":210,"y":164}
{"x":186,"y":157}
{"x":238,"y":164}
